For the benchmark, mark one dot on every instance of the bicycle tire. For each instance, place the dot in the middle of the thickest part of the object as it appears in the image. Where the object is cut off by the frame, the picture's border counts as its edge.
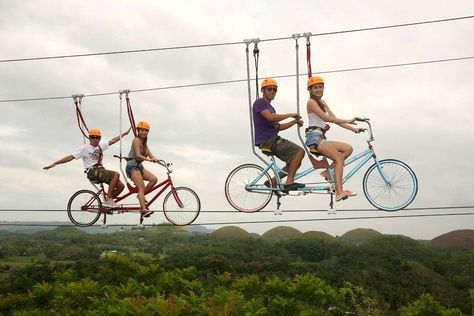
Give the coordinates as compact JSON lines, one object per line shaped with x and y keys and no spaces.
{"x":399,"y":193}
{"x":185,"y":215}
{"x":237,"y":194}
{"x":83,"y":208}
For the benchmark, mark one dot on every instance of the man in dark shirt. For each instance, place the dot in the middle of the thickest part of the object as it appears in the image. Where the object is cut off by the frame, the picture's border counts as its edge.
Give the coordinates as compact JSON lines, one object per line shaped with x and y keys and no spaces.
{"x":267,"y":125}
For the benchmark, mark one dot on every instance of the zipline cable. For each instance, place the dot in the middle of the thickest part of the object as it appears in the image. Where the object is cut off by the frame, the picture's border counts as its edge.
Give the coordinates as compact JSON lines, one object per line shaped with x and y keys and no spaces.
{"x":37,"y":224}
{"x":244,"y":80}
{"x":426,"y":208}
{"x":231,"y":43}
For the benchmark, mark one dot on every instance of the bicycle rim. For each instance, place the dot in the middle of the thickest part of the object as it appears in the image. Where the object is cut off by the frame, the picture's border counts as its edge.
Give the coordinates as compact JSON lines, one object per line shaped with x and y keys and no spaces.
{"x":183,"y":211}
{"x":237,"y":194}
{"x":83,"y":208}
{"x":400,"y":190}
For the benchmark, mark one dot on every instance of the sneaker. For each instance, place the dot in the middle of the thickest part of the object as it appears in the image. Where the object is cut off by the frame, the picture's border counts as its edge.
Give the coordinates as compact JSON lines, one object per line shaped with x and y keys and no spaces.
{"x":147,"y":213}
{"x":110,"y":203}
{"x":293,"y":186}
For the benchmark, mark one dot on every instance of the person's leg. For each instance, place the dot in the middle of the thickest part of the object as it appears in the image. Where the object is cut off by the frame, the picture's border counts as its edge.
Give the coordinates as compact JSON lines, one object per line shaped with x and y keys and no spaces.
{"x":151,"y":178}
{"x":281,"y":174}
{"x":118,"y":189}
{"x":344,"y":149}
{"x":112,"y":185}
{"x":294,"y":164}
{"x":331,"y":150}
{"x":137,"y":178}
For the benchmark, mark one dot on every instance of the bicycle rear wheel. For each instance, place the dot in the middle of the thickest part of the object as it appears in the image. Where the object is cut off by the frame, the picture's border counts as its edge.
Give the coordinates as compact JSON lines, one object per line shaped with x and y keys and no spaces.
{"x":394,"y":194}
{"x":84,"y":208}
{"x":184,"y":208}
{"x":237,"y":193}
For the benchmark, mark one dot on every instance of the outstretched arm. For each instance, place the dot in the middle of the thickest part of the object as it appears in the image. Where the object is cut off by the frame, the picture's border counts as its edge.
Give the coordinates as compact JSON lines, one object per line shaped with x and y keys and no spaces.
{"x":327,"y":115}
{"x":60,"y":161}
{"x":347,"y":125}
{"x":117,"y":138}
{"x":153,"y":158}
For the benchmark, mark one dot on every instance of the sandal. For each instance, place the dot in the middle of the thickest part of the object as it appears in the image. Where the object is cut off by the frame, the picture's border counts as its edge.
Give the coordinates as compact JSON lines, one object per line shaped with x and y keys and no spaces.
{"x":344,"y":195}
{"x":350,"y":193}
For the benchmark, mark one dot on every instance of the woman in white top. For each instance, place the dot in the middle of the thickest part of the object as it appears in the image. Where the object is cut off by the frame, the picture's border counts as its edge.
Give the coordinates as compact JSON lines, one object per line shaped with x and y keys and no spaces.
{"x":318,"y":114}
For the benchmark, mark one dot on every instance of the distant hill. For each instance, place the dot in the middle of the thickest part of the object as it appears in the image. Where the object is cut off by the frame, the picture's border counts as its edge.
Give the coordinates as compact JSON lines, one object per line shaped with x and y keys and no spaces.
{"x":281,"y":233}
{"x":322,"y":236}
{"x":230,"y":232}
{"x":361,"y":235}
{"x":457,"y":239}
{"x":32,"y":227}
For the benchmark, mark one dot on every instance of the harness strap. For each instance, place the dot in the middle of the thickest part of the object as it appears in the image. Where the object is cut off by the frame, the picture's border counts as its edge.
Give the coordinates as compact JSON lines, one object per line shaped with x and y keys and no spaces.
{"x":308,"y":53}
{"x":80,"y":118}
{"x":308,"y":57}
{"x":130,"y":115}
{"x":313,"y":128}
{"x":101,"y":155}
{"x":256,"y":55}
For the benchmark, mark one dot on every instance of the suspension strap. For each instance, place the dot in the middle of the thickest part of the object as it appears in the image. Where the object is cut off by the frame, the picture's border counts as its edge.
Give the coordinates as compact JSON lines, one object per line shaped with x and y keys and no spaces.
{"x":130,"y":113}
{"x":308,"y":53}
{"x":101,"y":155}
{"x":256,"y":55}
{"x":249,"y":93}
{"x":317,"y":164}
{"x":80,"y":118}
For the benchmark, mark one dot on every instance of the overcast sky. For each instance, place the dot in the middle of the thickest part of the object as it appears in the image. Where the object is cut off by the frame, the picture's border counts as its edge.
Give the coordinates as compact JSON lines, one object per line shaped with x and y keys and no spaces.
{"x":422,"y":115}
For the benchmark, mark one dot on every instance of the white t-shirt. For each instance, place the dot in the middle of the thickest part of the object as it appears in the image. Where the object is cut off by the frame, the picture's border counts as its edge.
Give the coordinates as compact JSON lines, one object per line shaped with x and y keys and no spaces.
{"x":90,"y":154}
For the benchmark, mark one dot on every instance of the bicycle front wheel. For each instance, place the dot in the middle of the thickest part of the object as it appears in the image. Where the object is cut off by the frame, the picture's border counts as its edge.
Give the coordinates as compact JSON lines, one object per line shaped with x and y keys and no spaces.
{"x":391,"y":187}
{"x":84,"y":208}
{"x":183,"y":208}
{"x":238,"y":193}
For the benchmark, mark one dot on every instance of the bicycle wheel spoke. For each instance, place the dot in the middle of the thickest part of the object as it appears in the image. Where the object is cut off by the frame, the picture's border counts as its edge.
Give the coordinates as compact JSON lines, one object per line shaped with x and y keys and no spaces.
{"x":183,"y":213}
{"x":240,"y":196}
{"x":84,"y":208}
{"x":395,"y":189}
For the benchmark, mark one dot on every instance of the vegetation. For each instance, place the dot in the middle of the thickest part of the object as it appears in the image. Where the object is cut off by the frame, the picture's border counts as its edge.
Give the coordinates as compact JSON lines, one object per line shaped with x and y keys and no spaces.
{"x":167,"y":271}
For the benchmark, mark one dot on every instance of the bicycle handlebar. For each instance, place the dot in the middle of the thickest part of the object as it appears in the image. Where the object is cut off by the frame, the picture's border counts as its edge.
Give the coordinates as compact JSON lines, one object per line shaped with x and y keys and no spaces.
{"x":366,"y":120}
{"x":163,"y":163}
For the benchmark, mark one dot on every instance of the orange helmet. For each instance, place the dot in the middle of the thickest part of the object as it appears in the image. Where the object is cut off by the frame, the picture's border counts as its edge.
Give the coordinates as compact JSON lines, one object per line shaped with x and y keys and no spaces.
{"x":268,"y":82}
{"x":143,"y":125}
{"x":314,"y":80}
{"x":95,"y":132}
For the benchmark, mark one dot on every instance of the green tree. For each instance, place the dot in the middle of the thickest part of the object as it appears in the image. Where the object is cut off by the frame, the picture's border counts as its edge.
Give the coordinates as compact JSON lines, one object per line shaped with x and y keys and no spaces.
{"x":426,"y":305}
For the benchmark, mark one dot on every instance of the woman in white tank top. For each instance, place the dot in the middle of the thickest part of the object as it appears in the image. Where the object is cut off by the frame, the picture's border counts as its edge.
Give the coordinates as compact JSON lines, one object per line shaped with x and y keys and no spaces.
{"x":318,"y":114}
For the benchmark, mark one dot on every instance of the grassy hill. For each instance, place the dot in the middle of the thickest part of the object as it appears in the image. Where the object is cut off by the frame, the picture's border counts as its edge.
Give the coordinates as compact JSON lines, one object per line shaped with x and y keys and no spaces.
{"x":281,"y":233}
{"x":457,"y":239}
{"x":230,"y":232}
{"x":361,"y":235}
{"x":321,"y":236}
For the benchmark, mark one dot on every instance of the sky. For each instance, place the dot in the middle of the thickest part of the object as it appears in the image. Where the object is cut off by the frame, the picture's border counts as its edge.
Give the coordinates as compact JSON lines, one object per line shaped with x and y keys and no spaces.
{"x":421,"y":114}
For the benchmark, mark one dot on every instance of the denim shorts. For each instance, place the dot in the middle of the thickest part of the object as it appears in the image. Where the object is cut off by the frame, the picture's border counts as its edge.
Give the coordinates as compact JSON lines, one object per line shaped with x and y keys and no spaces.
{"x":133,"y":165}
{"x":314,"y":138}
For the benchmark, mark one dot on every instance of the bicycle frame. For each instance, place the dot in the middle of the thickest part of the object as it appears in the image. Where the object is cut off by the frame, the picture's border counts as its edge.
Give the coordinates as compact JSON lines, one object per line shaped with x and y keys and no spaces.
{"x":132,"y":190}
{"x":362,"y":159}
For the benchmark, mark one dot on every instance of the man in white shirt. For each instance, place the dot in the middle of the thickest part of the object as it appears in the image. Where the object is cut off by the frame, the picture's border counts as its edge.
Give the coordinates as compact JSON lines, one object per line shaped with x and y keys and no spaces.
{"x":91,"y":155}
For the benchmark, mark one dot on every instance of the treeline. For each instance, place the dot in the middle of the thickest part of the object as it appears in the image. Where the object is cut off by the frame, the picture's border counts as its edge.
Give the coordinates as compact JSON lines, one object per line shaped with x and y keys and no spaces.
{"x":171,"y":272}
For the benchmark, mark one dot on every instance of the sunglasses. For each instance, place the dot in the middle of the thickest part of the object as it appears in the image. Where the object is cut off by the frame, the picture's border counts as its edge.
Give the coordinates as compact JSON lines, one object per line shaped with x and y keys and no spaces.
{"x":270,"y":89}
{"x":94,"y":137}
